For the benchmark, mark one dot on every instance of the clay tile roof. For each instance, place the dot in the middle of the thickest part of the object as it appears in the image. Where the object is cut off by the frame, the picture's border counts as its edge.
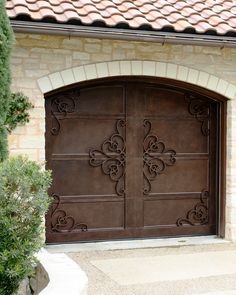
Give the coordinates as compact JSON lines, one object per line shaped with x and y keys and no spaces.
{"x":203,"y":16}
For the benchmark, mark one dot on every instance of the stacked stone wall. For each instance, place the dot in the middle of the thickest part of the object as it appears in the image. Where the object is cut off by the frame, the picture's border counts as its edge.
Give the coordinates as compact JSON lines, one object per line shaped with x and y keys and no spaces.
{"x":41,"y":63}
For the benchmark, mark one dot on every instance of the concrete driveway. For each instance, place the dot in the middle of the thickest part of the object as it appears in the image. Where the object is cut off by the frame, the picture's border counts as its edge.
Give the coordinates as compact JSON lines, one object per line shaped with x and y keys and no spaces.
{"x":195,"y":268}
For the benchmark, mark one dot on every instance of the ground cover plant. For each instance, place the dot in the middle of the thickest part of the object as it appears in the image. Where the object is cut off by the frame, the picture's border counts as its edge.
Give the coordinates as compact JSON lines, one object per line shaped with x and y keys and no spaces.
{"x":23,"y":203}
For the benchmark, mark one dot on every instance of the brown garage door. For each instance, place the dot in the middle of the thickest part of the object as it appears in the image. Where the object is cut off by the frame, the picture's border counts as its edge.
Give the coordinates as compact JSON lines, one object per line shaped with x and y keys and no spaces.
{"x":131,"y":159}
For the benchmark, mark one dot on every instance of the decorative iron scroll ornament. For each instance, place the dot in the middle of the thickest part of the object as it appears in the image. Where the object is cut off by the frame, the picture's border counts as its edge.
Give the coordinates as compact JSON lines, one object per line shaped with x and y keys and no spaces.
{"x":154,"y":164}
{"x":199,"y":214}
{"x":111,"y":157}
{"x":200,"y":109}
{"x":60,"y":107}
{"x":62,"y":222}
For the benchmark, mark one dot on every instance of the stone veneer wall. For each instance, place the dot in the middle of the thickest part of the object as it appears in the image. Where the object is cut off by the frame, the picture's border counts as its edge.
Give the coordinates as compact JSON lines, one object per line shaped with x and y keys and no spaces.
{"x":36,"y":56}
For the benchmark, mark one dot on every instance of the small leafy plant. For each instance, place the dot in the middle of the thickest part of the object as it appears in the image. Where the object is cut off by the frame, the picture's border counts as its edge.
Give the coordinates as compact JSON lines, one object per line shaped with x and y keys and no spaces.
{"x":23,"y":203}
{"x":17,"y":112}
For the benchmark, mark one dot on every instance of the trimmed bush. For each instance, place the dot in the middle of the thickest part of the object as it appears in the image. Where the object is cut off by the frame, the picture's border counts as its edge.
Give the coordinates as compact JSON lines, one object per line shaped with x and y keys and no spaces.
{"x":23,"y":203}
{"x":6,"y":37}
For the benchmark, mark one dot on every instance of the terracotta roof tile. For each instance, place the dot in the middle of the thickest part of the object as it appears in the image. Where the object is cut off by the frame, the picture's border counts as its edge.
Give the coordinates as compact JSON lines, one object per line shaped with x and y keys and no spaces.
{"x":226,"y":14}
{"x":206,"y":13}
{"x":199,"y":6}
{"x":232,"y":22}
{"x":153,"y":15}
{"x":217,"y":16}
{"x":175,"y":17}
{"x":223,"y":27}
{"x":187,"y":11}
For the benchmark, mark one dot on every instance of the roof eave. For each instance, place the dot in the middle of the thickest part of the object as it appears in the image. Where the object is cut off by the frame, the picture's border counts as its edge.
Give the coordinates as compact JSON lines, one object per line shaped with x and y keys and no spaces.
{"x":122,"y":34}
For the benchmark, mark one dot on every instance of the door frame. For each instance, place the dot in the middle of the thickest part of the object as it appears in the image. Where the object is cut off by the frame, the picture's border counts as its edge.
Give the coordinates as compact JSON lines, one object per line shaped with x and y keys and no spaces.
{"x":221,"y":119}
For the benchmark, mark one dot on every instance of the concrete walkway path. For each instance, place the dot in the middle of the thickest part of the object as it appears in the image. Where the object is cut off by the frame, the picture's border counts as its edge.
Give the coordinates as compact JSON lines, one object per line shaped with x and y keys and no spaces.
{"x":208,"y":269}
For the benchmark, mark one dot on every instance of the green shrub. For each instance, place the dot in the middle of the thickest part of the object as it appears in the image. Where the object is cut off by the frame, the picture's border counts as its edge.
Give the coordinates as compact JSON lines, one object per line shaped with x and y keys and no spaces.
{"x":18,"y":111}
{"x":6,"y":38}
{"x":23,"y":203}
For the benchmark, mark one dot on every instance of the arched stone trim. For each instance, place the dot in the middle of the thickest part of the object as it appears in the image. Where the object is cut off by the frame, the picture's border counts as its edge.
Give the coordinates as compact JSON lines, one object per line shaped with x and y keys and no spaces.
{"x":136,"y":68}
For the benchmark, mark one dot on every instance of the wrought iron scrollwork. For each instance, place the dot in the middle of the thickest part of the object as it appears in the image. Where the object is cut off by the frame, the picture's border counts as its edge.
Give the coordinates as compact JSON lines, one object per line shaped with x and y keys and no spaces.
{"x":111,"y":157}
{"x":154,"y":164}
{"x":200,"y":109}
{"x":60,"y":107}
{"x":62,"y":222}
{"x":199,"y":214}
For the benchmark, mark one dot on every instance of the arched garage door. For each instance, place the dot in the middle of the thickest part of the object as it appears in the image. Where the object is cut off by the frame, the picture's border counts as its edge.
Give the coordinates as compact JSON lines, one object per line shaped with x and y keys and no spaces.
{"x":131,"y":159}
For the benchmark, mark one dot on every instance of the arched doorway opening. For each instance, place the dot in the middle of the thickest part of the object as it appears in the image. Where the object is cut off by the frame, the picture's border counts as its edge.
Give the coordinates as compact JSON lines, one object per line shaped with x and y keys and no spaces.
{"x":135,"y":157}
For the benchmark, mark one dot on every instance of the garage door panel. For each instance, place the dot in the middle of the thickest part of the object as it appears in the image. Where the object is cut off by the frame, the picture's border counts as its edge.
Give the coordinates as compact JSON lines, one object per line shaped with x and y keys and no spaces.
{"x":91,"y":215}
{"x":79,"y":135}
{"x":77,"y":177}
{"x":102,"y":100}
{"x":186,"y":210}
{"x":182,"y":135}
{"x":180,"y":176}
{"x":161,"y":102}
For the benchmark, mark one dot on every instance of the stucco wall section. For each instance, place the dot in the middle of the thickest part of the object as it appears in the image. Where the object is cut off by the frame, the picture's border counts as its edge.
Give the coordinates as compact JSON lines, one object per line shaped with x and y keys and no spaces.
{"x":37,"y":56}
